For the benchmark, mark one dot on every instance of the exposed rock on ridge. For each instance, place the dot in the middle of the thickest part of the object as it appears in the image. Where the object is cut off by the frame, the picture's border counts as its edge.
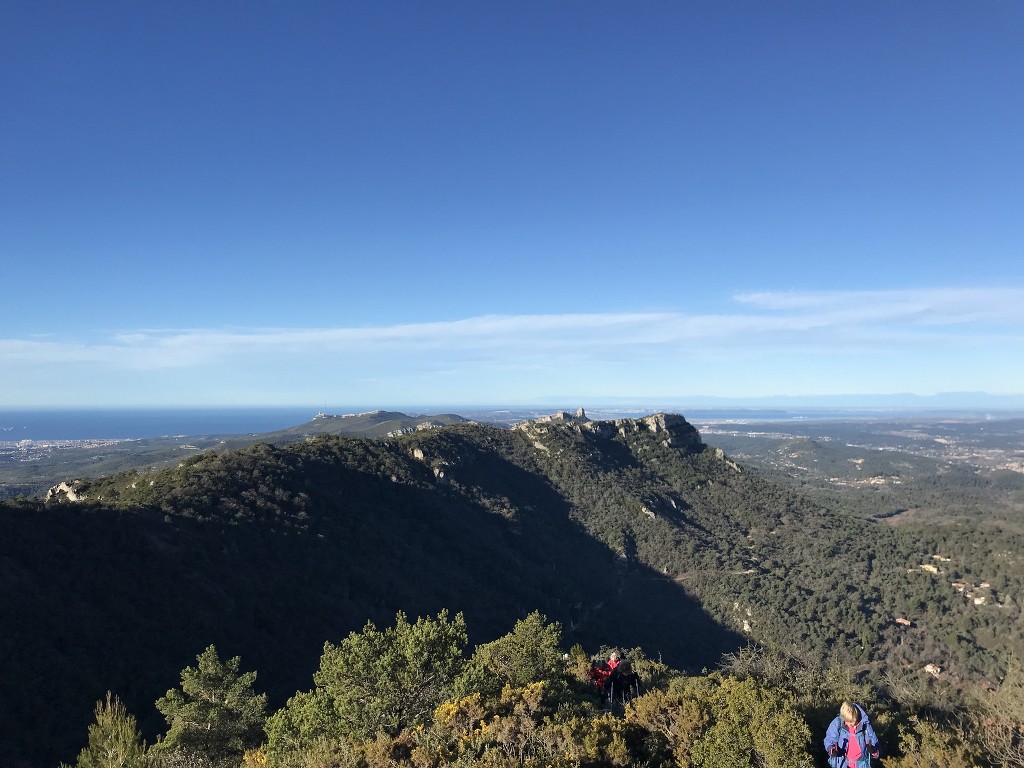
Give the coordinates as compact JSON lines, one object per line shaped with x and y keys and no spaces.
{"x":65,"y":492}
{"x":673,"y":428}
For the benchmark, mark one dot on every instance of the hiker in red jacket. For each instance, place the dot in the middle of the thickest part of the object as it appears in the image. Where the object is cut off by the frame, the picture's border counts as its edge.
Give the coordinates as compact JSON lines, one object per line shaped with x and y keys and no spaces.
{"x":599,"y":673}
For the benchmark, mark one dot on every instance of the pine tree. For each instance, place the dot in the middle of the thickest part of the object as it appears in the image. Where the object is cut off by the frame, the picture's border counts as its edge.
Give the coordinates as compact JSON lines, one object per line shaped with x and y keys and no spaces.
{"x":384,"y":681}
{"x":215,"y":713}
{"x":114,"y":739}
{"x":530,"y":653}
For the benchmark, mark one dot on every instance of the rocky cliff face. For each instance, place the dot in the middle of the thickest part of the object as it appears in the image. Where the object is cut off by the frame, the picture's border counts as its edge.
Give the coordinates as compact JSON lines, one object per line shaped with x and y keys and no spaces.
{"x":672,"y":429}
{"x":65,"y":492}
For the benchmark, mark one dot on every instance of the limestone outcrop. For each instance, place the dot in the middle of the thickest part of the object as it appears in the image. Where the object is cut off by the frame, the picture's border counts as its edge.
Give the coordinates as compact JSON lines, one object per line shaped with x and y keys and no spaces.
{"x":673,"y":429}
{"x":65,"y":492}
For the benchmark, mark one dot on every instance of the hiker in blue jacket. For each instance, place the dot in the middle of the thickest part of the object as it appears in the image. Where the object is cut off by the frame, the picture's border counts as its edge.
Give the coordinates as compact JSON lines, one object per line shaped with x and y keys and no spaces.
{"x":850,"y":740}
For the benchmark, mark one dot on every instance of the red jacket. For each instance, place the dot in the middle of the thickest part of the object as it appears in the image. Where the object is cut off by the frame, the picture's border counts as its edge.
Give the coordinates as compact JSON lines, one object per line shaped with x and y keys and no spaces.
{"x":599,"y":672}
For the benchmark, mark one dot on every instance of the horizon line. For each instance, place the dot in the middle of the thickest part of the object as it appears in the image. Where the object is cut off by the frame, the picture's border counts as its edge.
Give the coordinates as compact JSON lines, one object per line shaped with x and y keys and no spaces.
{"x":1008,"y":401}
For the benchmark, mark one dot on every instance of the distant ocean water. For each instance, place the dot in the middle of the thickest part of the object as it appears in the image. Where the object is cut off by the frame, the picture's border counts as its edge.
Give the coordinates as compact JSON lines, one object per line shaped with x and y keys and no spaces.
{"x":86,"y":424}
{"x":135,"y":423}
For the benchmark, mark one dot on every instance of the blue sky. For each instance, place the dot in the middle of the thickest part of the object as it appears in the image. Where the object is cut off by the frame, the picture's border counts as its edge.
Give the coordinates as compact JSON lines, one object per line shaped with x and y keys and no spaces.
{"x":366,"y":203}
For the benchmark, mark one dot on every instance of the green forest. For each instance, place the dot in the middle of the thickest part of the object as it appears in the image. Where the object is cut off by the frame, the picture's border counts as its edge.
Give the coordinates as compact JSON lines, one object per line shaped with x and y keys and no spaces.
{"x":410,"y":694}
{"x":750,"y":609}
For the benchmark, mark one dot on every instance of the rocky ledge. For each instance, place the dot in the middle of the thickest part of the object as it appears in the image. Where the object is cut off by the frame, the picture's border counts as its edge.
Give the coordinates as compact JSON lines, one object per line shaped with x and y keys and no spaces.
{"x":674,"y":430}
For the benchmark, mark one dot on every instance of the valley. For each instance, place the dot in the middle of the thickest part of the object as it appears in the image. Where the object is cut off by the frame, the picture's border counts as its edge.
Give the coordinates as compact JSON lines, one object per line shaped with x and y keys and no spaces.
{"x":690,"y":543}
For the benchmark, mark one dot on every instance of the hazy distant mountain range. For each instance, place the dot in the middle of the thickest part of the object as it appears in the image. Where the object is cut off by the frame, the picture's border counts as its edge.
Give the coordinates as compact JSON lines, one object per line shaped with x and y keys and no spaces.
{"x":952,"y":401}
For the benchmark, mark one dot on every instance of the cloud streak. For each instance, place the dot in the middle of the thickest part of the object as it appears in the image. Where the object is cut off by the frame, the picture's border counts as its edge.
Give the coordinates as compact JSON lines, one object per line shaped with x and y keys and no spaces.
{"x":945,"y":306}
{"x":767,"y":344}
{"x":763,"y":321}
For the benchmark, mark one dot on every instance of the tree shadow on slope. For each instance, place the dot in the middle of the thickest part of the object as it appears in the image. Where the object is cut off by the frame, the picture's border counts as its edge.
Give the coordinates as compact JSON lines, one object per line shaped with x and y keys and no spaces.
{"x":116,"y":600}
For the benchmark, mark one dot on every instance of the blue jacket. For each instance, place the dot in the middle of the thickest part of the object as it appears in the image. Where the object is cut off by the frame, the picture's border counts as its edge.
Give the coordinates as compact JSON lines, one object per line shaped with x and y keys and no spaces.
{"x":838,"y":733}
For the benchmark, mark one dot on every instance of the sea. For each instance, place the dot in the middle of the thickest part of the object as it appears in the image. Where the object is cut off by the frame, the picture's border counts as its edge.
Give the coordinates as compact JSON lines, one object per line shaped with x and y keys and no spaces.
{"x":138,"y":423}
{"x":129,"y":423}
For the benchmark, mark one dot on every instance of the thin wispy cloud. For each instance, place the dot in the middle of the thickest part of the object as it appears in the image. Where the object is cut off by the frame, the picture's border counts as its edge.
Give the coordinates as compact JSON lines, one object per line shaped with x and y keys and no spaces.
{"x":770,"y":343}
{"x":922,"y":306}
{"x":782,"y":320}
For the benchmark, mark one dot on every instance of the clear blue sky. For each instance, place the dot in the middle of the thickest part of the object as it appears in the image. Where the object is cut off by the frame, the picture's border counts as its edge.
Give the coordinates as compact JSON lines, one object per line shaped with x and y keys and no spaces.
{"x":508,"y":202}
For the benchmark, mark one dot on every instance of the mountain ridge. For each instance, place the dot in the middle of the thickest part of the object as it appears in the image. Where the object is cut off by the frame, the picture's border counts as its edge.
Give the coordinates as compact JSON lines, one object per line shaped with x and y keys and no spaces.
{"x":631,"y":532}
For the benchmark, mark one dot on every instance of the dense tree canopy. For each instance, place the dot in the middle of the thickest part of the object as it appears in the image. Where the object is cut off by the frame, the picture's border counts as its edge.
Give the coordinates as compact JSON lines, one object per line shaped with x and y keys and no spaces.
{"x":761,"y":709}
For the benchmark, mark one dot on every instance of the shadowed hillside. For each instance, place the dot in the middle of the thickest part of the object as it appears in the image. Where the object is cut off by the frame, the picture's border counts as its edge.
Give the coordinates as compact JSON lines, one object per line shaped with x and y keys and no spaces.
{"x":271,"y":551}
{"x":628,"y":532}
